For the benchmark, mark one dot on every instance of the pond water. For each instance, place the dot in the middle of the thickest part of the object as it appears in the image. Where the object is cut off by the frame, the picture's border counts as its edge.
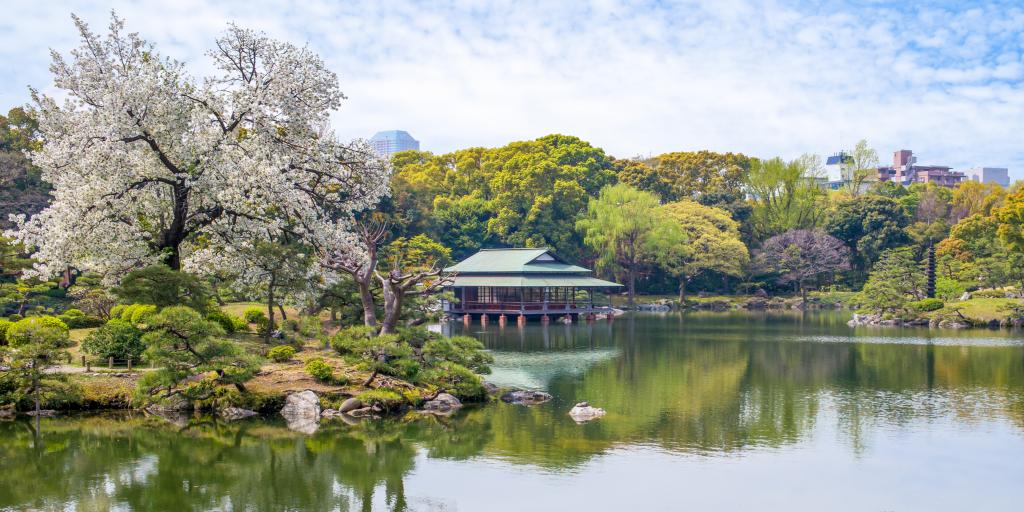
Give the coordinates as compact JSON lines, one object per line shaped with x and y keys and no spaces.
{"x":720,"y":411}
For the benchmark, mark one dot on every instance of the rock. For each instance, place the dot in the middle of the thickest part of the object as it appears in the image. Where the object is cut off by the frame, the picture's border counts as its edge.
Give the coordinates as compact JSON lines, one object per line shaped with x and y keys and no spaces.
{"x":43,"y":413}
{"x":443,"y":403}
{"x":363,"y":412}
{"x":302,"y":411}
{"x":953,"y":324}
{"x":330,"y":413}
{"x":761,"y":293}
{"x":235,"y":413}
{"x":350,"y":405}
{"x":583,"y":412}
{"x":491,"y":389}
{"x":172,"y":404}
{"x":756,"y":303}
{"x":966,"y":296}
{"x":521,"y":397}
{"x":867,"y":319}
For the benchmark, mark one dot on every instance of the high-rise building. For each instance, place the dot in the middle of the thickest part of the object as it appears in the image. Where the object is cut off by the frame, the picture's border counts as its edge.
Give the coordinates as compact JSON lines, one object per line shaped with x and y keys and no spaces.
{"x":906,"y":170}
{"x":998,"y":175}
{"x":389,"y":142}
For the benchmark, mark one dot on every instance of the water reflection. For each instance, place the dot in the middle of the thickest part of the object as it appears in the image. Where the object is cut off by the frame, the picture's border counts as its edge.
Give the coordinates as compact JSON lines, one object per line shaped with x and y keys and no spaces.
{"x":711,"y":386}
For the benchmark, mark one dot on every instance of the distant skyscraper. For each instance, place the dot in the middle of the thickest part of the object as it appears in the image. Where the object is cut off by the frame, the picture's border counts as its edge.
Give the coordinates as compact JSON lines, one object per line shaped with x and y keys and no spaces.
{"x":388,"y":142}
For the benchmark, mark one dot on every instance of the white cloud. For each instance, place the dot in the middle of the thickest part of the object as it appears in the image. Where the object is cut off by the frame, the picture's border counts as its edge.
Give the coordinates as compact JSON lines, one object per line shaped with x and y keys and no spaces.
{"x":765,"y":79}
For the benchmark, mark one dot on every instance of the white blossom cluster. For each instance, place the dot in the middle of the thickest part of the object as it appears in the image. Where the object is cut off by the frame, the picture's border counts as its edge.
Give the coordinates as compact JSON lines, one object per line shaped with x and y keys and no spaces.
{"x":148,"y":163}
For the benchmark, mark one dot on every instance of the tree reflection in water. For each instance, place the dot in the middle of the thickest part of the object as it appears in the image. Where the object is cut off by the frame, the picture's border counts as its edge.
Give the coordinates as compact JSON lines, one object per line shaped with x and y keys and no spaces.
{"x":700,"y":384}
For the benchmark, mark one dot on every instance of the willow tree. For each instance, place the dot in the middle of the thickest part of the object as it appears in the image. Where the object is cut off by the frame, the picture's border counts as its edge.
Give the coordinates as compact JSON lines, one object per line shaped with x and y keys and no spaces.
{"x":786,"y":195}
{"x":149,"y":163}
{"x":703,"y":239}
{"x":626,"y":229}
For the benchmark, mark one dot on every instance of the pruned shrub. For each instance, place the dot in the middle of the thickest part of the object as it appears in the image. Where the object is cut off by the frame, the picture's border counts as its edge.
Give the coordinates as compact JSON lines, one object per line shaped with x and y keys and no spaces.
{"x":990,"y":293}
{"x":926,"y":305}
{"x":320,"y":370}
{"x":116,"y":311}
{"x":44,"y":330}
{"x":254,"y":315}
{"x":457,"y":380}
{"x":282,"y":353}
{"x":948,"y":289}
{"x":117,"y":338}
{"x":226,"y":321}
{"x":462,"y":350}
{"x":386,"y":399}
{"x":76,"y":319}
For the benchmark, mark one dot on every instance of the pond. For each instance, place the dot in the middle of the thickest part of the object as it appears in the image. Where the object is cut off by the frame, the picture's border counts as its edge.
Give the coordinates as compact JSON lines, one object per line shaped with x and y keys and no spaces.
{"x":719,"y":411}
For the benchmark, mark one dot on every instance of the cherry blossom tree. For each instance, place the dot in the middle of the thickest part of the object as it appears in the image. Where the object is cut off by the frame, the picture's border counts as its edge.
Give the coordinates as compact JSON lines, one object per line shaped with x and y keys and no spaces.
{"x":149,"y":164}
{"x":800,"y":256}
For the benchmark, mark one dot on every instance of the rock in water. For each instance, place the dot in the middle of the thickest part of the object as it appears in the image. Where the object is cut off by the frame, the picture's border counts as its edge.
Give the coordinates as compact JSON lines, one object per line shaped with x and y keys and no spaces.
{"x":443,"y":403}
{"x":521,"y":397}
{"x":235,"y":413}
{"x":583,"y":412}
{"x":302,"y":411}
{"x":350,"y":405}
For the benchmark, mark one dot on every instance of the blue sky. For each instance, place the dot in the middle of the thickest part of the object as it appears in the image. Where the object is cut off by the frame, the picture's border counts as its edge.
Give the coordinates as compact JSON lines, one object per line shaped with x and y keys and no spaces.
{"x":945,"y":79}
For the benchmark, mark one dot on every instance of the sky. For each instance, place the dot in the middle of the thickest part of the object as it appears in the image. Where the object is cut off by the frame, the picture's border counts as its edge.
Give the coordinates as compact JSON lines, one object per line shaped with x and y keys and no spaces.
{"x":768,"y":78}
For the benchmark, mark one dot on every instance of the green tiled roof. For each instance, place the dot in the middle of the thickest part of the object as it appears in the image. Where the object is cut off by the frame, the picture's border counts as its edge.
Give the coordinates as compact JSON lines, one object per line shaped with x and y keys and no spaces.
{"x":533,"y":281}
{"x":514,"y":261}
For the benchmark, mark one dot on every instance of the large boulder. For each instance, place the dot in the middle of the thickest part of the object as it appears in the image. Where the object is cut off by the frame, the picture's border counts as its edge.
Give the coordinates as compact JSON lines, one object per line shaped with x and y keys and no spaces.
{"x":524,"y":397}
{"x":583,"y":412}
{"x":302,"y":411}
{"x":235,"y":413}
{"x":350,"y":405}
{"x":443,"y":403}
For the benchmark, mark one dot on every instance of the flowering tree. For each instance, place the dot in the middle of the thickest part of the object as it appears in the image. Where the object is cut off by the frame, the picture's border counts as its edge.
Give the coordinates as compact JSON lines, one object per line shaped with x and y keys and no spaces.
{"x":150,"y":164}
{"x":801,"y":255}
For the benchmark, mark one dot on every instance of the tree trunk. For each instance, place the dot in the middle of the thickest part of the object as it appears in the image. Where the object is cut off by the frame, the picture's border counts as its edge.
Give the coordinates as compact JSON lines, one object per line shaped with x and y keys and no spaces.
{"x":631,"y":290}
{"x":393,"y":296}
{"x":930,"y":273}
{"x":682,"y":292}
{"x":270,"y":311}
{"x":35,"y":391}
{"x":284,"y":316}
{"x":366,"y":297}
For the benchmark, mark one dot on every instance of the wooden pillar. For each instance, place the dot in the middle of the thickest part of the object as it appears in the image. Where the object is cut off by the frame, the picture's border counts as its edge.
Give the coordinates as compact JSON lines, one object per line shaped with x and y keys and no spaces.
{"x":467,"y":319}
{"x":544,"y":319}
{"x":502,"y":319}
{"x":483,"y":319}
{"x":521,"y":320}
{"x":110,"y":363}
{"x":590,"y":318}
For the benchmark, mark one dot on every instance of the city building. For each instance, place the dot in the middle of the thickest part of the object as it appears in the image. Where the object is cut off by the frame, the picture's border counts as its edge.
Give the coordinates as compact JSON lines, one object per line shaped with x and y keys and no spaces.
{"x":905,"y":170}
{"x":997,"y":175}
{"x":836,"y":167}
{"x":524,"y":282}
{"x":389,"y":142}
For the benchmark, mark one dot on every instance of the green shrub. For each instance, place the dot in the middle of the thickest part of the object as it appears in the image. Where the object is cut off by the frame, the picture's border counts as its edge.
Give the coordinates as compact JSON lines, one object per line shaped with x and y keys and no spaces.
{"x":240,"y":324}
{"x":347,"y":340}
{"x":160,"y":285}
{"x":115,"y":312}
{"x":14,"y":317}
{"x":282,"y":353}
{"x":457,"y":380}
{"x":926,"y":305}
{"x":989,"y":294}
{"x":385,"y":398}
{"x":462,"y":350}
{"x":309,"y":326}
{"x":45,"y":330}
{"x":320,"y":370}
{"x":948,"y":289}
{"x":76,"y":319}
{"x":291,"y":324}
{"x":4,"y":325}
{"x":226,"y":321}
{"x":117,"y":338}
{"x":254,"y":315}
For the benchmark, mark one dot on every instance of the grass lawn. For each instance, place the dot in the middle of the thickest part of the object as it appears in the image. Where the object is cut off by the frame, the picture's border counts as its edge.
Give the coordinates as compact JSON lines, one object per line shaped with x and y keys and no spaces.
{"x":980,"y":309}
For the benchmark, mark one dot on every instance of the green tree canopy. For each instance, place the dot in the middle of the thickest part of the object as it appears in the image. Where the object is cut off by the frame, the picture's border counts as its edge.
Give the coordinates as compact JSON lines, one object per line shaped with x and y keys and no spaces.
{"x":702,"y":239}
